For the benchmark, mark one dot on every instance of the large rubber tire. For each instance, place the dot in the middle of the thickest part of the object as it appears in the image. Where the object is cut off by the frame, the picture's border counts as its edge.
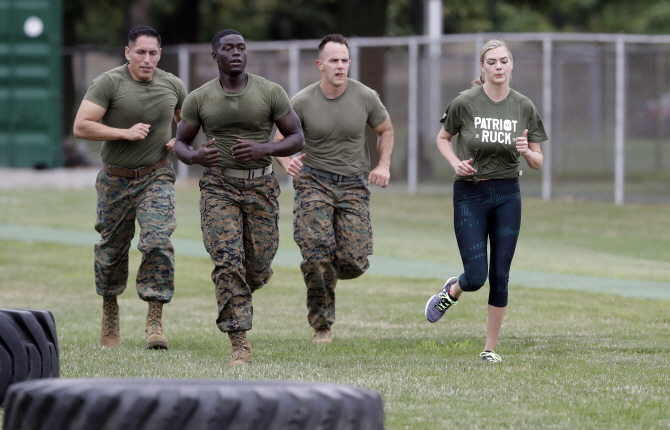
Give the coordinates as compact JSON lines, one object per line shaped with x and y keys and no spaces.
{"x":28,"y":347}
{"x":173,"y":404}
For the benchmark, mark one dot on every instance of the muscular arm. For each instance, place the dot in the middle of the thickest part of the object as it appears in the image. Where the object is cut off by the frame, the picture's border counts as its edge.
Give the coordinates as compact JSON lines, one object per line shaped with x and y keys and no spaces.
{"x":204,"y":156}
{"x":381,"y":174}
{"x":462,"y":168}
{"x":293,"y":141}
{"x":177,"y":118}
{"x":87,"y":125}
{"x":292,"y":165}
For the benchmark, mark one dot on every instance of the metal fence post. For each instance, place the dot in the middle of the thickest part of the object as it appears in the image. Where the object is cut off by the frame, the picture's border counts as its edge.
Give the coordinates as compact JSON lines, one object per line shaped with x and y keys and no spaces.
{"x":413,"y":118}
{"x":619,"y":137}
{"x":183,"y":57}
{"x":293,"y":69}
{"x":479,"y":42}
{"x":354,"y":54}
{"x":434,"y":32}
{"x":547,"y":55}
{"x":293,"y":84}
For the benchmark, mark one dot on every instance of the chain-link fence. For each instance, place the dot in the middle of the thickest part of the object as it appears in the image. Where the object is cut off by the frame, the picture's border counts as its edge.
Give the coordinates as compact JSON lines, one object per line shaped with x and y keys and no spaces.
{"x":605,"y":100}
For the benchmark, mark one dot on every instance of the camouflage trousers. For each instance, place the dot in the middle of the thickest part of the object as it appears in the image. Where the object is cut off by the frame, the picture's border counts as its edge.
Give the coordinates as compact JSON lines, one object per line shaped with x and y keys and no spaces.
{"x":150,"y":200}
{"x":331,"y":225}
{"x":239,"y":229}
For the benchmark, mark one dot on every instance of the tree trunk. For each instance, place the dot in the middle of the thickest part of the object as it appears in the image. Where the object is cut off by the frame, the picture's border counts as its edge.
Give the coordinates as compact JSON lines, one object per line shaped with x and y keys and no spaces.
{"x":367,"y":19}
{"x":416,"y":10}
{"x":137,"y":14}
{"x":183,"y":25}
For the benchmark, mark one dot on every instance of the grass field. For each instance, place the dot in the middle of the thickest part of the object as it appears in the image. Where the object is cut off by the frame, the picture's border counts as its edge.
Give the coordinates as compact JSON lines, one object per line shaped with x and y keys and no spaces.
{"x":570,"y":359}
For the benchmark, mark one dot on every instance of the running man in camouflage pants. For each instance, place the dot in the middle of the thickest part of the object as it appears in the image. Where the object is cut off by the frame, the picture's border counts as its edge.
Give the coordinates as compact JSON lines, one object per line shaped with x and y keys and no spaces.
{"x":131,"y":109}
{"x":239,"y":190}
{"x":332,"y":200}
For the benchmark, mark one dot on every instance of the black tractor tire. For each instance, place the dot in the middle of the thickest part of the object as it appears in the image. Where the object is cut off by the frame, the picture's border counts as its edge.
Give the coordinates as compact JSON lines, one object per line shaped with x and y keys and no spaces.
{"x":28,"y":347}
{"x":174,"y":404}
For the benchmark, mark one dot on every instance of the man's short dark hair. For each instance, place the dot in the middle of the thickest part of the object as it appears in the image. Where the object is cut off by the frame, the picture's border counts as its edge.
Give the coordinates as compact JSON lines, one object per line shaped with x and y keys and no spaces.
{"x":143,"y":31}
{"x":336,"y":38}
{"x":216,"y":41}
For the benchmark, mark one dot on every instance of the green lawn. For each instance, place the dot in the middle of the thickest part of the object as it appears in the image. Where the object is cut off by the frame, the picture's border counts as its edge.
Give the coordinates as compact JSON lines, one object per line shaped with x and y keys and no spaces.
{"x":575,"y":237}
{"x":570,"y":359}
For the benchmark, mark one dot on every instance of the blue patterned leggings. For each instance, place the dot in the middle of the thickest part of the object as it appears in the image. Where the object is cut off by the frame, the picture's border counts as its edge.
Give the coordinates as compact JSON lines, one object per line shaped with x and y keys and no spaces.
{"x":489,"y":210}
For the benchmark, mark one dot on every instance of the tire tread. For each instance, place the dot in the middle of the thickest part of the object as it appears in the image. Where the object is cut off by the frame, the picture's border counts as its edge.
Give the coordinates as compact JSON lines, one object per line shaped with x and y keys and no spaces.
{"x":167,"y":404}
{"x":28,"y":347}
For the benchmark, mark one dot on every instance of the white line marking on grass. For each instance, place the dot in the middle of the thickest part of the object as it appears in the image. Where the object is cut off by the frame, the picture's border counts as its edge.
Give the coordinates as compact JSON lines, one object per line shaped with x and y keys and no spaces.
{"x":379,"y":264}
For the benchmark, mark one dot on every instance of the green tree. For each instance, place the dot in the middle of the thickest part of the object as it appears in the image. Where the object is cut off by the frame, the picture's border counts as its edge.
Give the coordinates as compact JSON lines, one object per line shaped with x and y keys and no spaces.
{"x":107,"y":23}
{"x":195,"y":21}
{"x":602,"y":16}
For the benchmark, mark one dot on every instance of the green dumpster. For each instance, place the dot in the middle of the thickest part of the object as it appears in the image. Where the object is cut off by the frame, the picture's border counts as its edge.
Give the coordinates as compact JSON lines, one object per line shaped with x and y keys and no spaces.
{"x":30,"y":83}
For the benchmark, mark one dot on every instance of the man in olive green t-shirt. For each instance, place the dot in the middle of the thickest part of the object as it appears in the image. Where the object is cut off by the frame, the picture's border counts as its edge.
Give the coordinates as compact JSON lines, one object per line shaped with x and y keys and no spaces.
{"x":238,"y":206}
{"x":332,"y":200}
{"x":131,"y":109}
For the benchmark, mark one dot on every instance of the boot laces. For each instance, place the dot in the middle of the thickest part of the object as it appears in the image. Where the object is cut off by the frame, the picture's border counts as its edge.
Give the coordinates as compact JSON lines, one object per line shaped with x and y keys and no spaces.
{"x":111,"y":316}
{"x":239,"y":340}
{"x":154,"y":317}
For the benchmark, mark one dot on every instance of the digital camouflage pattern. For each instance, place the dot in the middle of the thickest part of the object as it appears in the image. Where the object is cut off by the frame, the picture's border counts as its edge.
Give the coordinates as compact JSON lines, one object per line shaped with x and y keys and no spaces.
{"x":239,"y":229}
{"x":151,"y":200}
{"x":331,"y":225}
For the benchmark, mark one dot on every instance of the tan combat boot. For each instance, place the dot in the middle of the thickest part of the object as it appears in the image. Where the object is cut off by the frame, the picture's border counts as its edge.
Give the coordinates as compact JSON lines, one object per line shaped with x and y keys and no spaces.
{"x":154,"y":330}
{"x":110,"y":335}
{"x":241,"y":353}
{"x":321,"y":335}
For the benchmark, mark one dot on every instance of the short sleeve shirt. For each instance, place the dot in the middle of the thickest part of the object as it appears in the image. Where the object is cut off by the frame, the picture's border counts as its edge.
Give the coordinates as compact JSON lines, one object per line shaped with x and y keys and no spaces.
{"x":129,"y":102}
{"x":486,"y":131}
{"x":335,"y":128}
{"x":226,"y":117}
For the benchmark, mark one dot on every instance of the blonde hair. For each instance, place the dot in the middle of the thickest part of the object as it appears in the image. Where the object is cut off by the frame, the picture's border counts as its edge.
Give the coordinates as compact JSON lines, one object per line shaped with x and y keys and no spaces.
{"x":491,"y":44}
